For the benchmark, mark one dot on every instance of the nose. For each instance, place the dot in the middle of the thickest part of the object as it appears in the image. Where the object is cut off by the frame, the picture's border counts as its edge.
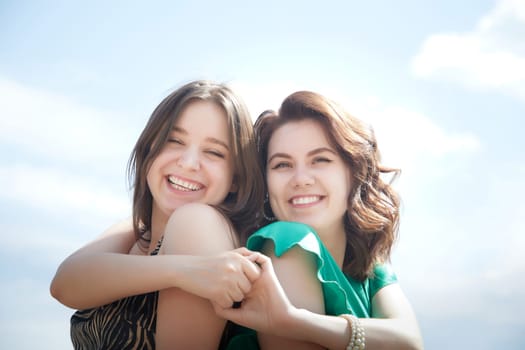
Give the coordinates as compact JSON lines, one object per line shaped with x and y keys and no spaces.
{"x":302,"y":177}
{"x":189,"y":159}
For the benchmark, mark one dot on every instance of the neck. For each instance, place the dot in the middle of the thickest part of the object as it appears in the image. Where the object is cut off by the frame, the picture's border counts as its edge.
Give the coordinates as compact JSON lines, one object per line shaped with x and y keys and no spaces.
{"x":334,"y":239}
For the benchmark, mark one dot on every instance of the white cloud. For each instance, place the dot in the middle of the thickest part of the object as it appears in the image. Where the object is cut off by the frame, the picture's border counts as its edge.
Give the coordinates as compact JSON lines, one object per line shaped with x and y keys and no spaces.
{"x":63,"y":156}
{"x":467,"y":258}
{"x":491,"y":56}
{"x":56,"y":127}
{"x":404,"y":135}
{"x":54,"y":190}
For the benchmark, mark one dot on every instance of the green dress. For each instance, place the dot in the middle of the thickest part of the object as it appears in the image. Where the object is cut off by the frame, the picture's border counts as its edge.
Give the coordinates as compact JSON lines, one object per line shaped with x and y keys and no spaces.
{"x":342,"y":294}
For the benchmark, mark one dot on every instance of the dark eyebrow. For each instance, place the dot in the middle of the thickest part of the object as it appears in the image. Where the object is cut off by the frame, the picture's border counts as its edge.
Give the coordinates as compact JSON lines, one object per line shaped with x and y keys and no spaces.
{"x":278,"y":155}
{"x":321,"y":150}
{"x":311,"y":153}
{"x":209,"y":139}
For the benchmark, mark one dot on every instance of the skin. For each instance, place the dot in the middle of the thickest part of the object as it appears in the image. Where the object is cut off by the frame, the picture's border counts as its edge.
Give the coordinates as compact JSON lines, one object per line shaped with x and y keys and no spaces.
{"x":193,"y":171}
{"x":195,"y":165}
{"x":308,"y":182}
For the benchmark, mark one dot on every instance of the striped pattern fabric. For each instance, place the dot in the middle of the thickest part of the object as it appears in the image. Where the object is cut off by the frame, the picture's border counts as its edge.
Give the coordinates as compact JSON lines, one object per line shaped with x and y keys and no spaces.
{"x":126,"y":324}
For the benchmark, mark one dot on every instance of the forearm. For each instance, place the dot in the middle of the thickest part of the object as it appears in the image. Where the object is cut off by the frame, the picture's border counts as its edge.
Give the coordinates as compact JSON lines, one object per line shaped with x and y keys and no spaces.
{"x":90,"y":280}
{"x":333,"y":332}
{"x":330,"y":332}
{"x":391,"y":333}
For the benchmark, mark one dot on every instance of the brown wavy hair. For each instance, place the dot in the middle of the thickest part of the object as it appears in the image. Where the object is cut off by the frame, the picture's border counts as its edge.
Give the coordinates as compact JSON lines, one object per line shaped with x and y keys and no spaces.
{"x":372,"y":217}
{"x":240,"y":207}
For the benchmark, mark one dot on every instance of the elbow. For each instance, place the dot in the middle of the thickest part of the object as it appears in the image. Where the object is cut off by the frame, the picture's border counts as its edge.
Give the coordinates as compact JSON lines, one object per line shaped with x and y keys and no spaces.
{"x":56,"y":291}
{"x":418,"y":344}
{"x":408,"y":337}
{"x":414,"y":342}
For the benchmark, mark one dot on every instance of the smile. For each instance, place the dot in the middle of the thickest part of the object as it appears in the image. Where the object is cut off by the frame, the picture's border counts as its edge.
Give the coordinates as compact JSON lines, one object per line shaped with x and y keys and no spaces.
{"x":183,"y":185}
{"x":305,"y":200}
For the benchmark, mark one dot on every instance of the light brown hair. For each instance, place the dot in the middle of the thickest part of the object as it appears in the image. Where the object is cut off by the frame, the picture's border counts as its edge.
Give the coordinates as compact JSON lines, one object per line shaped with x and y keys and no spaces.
{"x":240,"y":207}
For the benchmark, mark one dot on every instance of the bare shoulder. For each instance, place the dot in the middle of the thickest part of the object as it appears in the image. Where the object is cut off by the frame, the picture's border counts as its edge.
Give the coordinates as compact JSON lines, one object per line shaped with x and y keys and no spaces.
{"x":294,"y":264}
{"x":195,"y":216}
{"x":201,"y":222}
{"x":293,"y":257}
{"x":296,"y":270}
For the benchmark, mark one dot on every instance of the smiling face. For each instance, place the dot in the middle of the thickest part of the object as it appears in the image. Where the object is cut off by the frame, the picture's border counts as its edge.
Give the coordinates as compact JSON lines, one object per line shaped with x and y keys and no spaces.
{"x":307,"y":179}
{"x":195,"y":164}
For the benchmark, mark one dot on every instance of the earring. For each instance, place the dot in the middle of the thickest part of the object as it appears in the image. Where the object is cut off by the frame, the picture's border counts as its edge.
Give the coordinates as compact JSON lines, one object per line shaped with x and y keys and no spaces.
{"x":266,"y":202}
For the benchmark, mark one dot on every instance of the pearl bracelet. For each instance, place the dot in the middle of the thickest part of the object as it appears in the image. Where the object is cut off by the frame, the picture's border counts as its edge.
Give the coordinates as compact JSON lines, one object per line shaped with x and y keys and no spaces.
{"x":357,"y":338}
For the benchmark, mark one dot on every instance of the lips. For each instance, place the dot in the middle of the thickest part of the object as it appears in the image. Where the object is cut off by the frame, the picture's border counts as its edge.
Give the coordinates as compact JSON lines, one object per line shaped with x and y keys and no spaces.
{"x":305,"y":200}
{"x":184,"y":185}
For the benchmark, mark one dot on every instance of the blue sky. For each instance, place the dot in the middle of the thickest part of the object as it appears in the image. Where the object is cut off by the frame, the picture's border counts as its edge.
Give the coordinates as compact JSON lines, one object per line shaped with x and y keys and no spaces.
{"x":442,"y":82}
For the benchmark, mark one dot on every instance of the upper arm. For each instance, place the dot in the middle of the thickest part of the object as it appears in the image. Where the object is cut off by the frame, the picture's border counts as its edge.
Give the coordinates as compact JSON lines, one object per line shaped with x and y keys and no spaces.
{"x":296,"y":271}
{"x":391,"y":302}
{"x":394,"y":322}
{"x":83,"y":268}
{"x":118,"y":238}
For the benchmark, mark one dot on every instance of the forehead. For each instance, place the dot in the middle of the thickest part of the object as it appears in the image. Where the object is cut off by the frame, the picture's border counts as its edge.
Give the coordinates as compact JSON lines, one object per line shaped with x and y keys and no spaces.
{"x":203,"y":118}
{"x":301,"y":135}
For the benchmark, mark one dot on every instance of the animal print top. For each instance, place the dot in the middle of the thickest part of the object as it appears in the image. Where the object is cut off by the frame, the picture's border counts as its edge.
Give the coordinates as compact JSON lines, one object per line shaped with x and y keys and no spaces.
{"x":126,"y":324}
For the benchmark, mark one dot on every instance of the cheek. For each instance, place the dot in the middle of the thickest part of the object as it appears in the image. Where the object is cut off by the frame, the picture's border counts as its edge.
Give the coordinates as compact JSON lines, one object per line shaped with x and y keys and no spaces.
{"x":152,"y":172}
{"x":158,"y":163}
{"x":152,"y":178}
{"x":273,"y":183}
{"x":223,"y":173}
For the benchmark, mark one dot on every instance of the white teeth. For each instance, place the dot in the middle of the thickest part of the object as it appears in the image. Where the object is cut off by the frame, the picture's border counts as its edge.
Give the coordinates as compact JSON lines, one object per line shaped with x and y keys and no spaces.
{"x":305,"y":200}
{"x":183,"y":185}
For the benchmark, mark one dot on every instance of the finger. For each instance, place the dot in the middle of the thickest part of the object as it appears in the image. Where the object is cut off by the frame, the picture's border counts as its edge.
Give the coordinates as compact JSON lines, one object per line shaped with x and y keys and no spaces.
{"x":243,"y":251}
{"x":244,"y":285}
{"x":224,"y":303}
{"x":220,"y":310}
{"x":236,"y":295}
{"x":226,"y":313}
{"x":261,"y":260}
{"x":250,"y":269}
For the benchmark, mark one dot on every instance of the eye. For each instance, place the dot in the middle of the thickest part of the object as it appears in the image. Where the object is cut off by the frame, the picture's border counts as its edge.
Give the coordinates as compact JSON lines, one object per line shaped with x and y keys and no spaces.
{"x":175,"y":140}
{"x":215,"y":153}
{"x":280,"y":165}
{"x":322,"y":160}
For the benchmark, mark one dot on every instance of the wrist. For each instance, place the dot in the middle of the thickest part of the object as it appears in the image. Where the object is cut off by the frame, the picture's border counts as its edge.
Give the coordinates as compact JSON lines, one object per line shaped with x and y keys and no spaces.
{"x":175,"y":270}
{"x":357,"y":333}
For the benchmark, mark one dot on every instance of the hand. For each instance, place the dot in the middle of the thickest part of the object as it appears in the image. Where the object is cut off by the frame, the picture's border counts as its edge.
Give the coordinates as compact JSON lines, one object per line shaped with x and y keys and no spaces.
{"x":266,"y":306}
{"x":224,"y":278}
